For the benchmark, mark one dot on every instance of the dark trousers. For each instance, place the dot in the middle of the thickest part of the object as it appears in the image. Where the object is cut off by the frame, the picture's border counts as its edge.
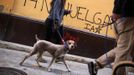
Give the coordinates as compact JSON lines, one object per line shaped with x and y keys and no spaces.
{"x":51,"y":34}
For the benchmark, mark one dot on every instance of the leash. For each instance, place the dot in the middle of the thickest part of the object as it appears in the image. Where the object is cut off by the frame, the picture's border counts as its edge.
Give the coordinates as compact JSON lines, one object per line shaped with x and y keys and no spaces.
{"x":63,"y":41}
{"x":106,"y":42}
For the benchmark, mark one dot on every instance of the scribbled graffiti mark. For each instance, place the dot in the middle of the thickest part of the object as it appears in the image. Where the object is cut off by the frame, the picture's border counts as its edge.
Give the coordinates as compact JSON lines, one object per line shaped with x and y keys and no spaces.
{"x":32,"y":1}
{"x":93,"y":22}
{"x":46,"y":3}
{"x":35,"y":2}
{"x":25,"y":2}
{"x":43,"y":4}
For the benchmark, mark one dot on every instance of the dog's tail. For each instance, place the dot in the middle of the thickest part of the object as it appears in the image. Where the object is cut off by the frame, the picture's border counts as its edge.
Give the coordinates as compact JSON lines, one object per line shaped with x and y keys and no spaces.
{"x":36,"y":37}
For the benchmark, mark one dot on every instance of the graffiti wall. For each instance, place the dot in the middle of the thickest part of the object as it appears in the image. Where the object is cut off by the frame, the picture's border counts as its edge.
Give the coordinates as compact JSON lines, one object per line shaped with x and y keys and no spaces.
{"x":6,"y":5}
{"x":87,"y":15}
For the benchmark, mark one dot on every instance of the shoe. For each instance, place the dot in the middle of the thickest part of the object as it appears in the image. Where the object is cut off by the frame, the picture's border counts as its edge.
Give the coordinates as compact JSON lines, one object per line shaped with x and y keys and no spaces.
{"x":92,"y":68}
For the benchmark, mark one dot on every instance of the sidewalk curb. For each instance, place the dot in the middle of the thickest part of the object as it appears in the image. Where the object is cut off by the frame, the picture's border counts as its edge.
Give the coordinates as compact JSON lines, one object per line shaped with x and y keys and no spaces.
{"x":25,"y":48}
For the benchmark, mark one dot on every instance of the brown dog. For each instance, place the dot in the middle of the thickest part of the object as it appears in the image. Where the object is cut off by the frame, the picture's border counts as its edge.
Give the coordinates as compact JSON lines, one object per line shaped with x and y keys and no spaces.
{"x":57,"y":51}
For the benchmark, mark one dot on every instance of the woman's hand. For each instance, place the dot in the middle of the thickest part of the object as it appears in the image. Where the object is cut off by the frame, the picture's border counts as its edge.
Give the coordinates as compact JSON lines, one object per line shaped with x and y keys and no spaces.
{"x":115,"y":17}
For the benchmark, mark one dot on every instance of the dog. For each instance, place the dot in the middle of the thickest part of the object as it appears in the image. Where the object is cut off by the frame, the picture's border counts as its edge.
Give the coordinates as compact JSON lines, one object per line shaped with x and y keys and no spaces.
{"x":56,"y":50}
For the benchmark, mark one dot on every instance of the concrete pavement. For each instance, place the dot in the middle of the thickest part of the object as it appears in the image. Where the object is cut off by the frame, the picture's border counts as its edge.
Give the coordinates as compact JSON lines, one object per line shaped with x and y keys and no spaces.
{"x":11,"y":58}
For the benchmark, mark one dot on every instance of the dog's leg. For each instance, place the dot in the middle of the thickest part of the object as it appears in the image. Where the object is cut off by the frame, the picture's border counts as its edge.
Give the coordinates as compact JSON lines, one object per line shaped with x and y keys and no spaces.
{"x":32,"y":53}
{"x":24,"y":59}
{"x":42,"y":60}
{"x":38,"y":58}
{"x":66,"y":65}
{"x":53,"y":60}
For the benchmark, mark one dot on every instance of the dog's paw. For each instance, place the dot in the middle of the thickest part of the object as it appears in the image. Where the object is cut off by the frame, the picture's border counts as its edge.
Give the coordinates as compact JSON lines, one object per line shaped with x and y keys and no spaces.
{"x":69,"y":70}
{"x":43,"y":60}
{"x":49,"y":70}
